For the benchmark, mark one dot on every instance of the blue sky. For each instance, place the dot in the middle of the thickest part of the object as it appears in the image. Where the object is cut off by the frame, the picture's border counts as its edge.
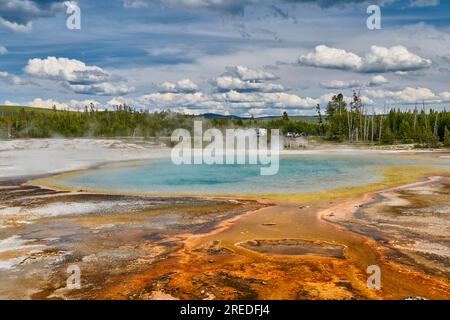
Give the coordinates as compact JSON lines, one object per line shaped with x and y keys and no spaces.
{"x":246,"y":57}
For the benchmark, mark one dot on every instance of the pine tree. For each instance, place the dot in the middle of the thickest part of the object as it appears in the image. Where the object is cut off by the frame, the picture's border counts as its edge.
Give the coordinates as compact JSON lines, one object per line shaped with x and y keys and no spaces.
{"x":447,"y":137}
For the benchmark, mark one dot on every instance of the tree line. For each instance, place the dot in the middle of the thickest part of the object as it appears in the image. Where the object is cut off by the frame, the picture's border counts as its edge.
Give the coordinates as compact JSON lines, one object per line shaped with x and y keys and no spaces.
{"x":340,"y":121}
{"x":123,"y":121}
{"x":354,"y":123}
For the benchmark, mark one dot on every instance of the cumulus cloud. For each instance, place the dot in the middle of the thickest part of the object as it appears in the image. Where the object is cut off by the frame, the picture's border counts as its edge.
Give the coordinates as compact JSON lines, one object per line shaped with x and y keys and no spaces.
{"x":173,"y":99}
{"x":231,"y":101}
{"x":182,"y":86}
{"x":103,"y":89}
{"x":243,"y":88}
{"x":17,"y":15}
{"x":76,"y":75}
{"x":243,"y":79}
{"x":11,"y":78}
{"x":73,"y":105}
{"x":407,"y":95}
{"x":397,"y":58}
{"x":378,"y":59}
{"x":333,"y":58}
{"x":377,"y":81}
{"x":3,"y":50}
{"x":238,"y":90}
{"x":227,"y":83}
{"x":337,"y":84}
{"x":226,"y":102}
{"x":445,"y":96}
{"x":263,"y":99}
{"x":79,"y":105}
{"x":117,"y":101}
{"x":365,"y":100}
{"x":48,"y":104}
{"x":247,"y":74}
{"x":234,"y":96}
{"x":16,"y":27}
{"x":64,"y":69}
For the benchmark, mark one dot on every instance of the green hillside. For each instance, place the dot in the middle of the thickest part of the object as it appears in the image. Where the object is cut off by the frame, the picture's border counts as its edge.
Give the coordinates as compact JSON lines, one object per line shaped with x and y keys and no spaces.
{"x":14,"y":109}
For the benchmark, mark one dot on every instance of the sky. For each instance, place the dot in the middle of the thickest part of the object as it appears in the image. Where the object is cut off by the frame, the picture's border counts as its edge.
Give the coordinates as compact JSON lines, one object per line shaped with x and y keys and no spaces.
{"x":240,"y":57}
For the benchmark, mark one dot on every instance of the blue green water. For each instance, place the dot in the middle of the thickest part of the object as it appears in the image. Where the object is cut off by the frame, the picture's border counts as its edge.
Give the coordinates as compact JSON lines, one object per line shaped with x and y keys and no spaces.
{"x":297,"y":174}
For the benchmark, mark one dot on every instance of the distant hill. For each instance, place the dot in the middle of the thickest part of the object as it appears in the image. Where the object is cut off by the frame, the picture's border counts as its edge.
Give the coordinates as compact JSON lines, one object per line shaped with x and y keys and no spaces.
{"x":220,"y":116}
{"x":14,"y":109}
{"x":233,"y":117}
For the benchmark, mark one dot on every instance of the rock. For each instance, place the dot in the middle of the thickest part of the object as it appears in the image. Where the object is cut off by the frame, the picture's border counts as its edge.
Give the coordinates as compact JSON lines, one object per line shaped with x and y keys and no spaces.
{"x":414,"y":298}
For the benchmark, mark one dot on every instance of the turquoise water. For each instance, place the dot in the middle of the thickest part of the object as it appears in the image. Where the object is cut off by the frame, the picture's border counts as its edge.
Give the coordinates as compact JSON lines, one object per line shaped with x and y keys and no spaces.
{"x":297,"y":174}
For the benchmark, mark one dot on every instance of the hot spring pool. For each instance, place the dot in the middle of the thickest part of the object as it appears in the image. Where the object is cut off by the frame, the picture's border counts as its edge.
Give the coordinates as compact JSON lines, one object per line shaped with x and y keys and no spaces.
{"x":297,"y":174}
